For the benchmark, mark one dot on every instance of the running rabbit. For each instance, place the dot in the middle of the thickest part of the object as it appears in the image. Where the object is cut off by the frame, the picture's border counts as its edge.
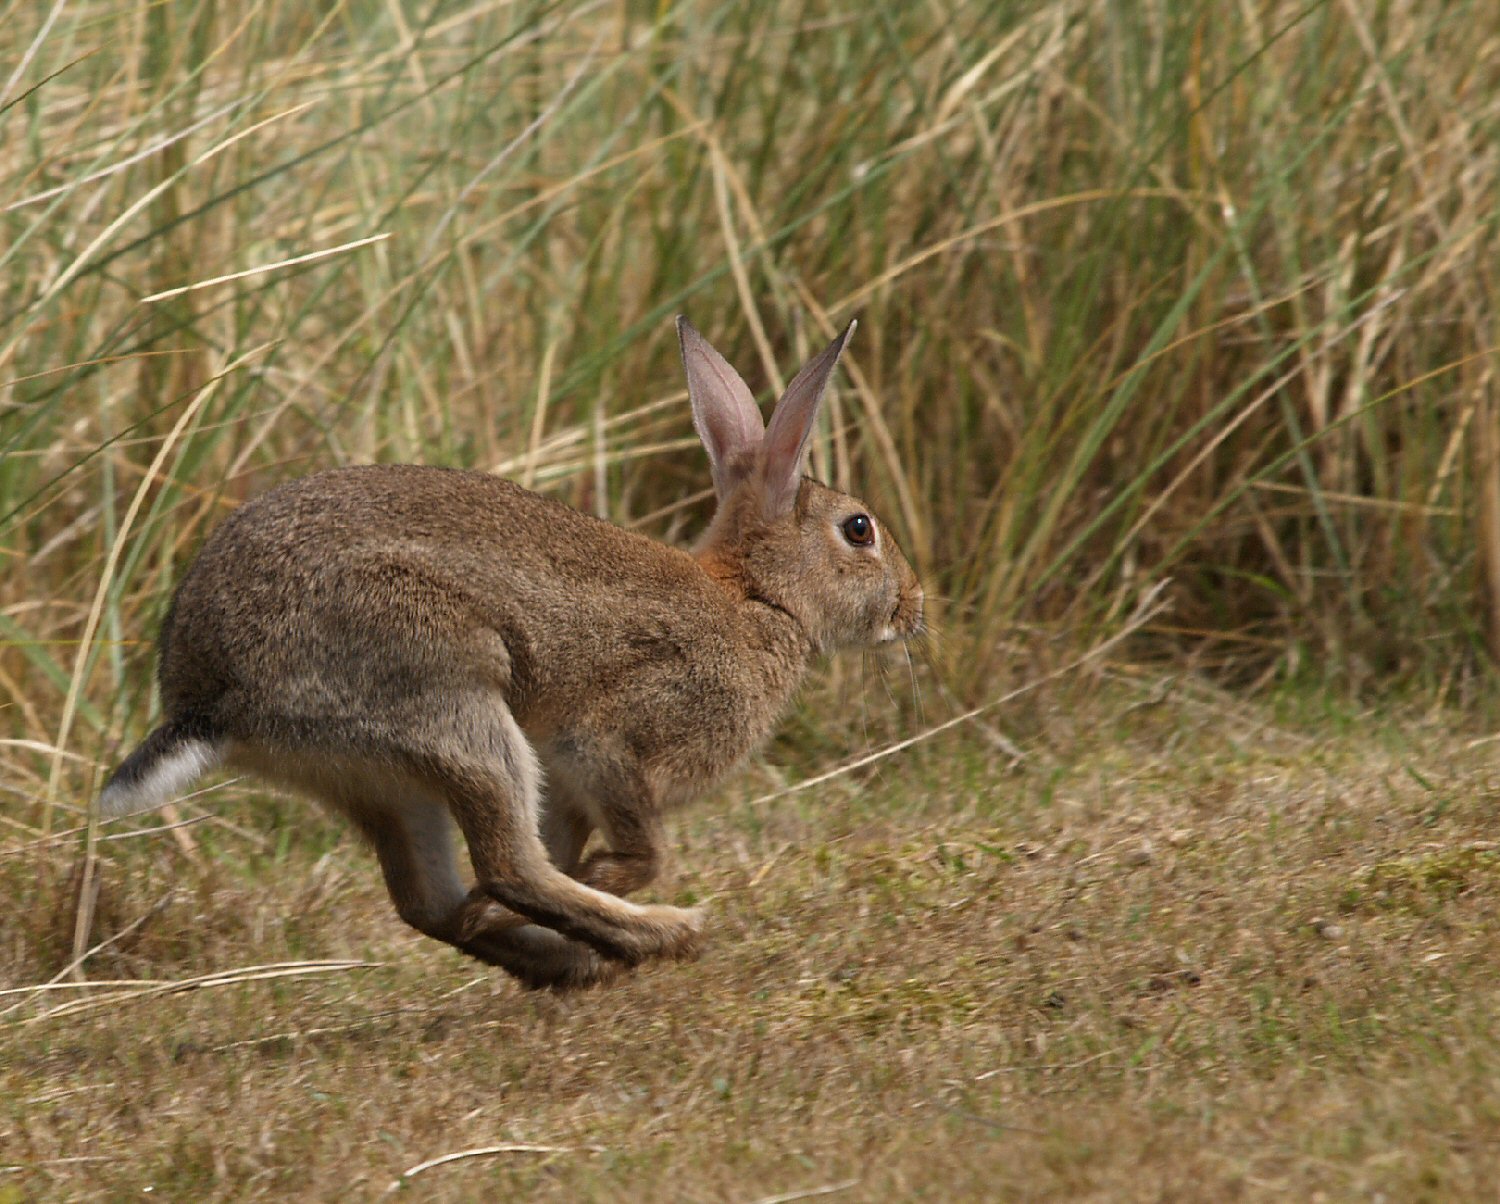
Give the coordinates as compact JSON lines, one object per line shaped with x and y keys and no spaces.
{"x":422,"y":646}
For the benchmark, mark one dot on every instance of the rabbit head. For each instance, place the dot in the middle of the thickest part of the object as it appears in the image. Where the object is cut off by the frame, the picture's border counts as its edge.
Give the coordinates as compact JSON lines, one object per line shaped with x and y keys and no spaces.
{"x":779,"y":537}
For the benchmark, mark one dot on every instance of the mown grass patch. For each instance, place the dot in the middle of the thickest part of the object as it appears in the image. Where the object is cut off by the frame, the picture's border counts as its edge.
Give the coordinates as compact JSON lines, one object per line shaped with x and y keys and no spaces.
{"x":948,"y":981}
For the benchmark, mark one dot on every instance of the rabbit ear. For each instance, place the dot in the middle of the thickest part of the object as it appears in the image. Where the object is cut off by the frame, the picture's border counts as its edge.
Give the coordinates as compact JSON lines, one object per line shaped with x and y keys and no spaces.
{"x":791,"y":426}
{"x":724,"y":411}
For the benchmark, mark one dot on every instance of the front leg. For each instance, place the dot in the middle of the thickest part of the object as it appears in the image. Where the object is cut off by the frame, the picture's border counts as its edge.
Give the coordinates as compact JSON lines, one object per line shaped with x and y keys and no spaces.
{"x":634,"y":857}
{"x":565,"y":830}
{"x":590,"y":786}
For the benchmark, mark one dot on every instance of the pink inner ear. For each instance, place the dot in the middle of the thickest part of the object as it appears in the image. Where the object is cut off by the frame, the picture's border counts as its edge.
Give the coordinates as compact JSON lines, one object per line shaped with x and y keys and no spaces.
{"x":785,"y":446}
{"x":724,"y":411}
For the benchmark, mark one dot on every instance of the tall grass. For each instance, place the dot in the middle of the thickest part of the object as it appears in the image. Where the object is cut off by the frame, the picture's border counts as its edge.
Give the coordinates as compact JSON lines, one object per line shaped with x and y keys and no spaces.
{"x":1198,"y":290}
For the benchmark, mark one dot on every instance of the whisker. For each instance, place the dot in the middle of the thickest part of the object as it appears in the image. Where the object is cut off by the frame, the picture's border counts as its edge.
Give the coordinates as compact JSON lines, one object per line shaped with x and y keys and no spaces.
{"x":885,"y":678}
{"x":864,"y":697}
{"x":916,"y":686}
{"x":928,"y":645}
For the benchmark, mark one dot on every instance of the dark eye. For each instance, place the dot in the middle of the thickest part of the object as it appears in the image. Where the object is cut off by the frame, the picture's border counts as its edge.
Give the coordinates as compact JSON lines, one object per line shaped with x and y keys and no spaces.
{"x":859,"y":530}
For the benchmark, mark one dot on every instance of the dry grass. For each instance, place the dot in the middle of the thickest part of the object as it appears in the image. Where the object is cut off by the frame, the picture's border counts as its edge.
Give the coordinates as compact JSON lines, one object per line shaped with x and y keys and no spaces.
{"x":1187,"y":948}
{"x":1175,"y":289}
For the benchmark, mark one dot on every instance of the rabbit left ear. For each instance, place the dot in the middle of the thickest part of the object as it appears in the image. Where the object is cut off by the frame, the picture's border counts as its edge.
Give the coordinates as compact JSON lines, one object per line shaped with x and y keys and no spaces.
{"x":724,"y":410}
{"x":785,"y":447}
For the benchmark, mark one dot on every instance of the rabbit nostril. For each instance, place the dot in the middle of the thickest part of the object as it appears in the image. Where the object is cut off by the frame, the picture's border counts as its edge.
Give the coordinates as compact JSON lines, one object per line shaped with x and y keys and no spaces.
{"x":907,"y":617}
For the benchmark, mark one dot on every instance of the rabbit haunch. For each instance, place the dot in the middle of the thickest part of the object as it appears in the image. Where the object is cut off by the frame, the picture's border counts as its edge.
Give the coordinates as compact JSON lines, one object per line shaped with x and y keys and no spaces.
{"x":427,"y":648}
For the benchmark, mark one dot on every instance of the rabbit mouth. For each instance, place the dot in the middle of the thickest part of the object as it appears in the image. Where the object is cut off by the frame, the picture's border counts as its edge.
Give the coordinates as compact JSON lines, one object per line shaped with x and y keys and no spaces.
{"x":905,"y":622}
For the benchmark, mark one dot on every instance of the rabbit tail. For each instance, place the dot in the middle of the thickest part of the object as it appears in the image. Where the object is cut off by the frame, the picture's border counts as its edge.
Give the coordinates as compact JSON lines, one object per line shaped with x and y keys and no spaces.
{"x":169,"y":760}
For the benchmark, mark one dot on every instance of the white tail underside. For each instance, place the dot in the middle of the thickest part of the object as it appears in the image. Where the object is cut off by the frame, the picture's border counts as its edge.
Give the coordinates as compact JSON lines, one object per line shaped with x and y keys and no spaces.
{"x":161,"y":781}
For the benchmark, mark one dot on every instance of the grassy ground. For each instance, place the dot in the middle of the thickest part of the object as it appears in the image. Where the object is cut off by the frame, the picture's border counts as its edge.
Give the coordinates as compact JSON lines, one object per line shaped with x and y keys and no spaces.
{"x":1187,"y":947}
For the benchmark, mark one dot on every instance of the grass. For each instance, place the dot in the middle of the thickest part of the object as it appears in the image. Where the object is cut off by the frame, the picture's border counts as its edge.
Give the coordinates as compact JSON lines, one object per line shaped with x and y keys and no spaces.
{"x":1193,"y":293}
{"x":1182,"y":949}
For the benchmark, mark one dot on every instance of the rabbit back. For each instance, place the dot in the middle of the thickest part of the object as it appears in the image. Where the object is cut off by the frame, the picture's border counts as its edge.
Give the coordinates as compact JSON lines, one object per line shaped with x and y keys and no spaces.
{"x":336,"y":610}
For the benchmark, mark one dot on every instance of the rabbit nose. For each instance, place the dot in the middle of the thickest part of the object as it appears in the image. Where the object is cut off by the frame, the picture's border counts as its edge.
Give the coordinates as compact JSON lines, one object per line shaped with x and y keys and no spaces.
{"x":906,"y":619}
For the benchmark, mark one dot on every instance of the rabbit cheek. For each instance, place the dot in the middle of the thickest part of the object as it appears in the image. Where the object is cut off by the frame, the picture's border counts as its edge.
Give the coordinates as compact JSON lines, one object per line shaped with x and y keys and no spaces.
{"x":860,"y":615}
{"x":887,"y":626}
{"x":872,"y":624}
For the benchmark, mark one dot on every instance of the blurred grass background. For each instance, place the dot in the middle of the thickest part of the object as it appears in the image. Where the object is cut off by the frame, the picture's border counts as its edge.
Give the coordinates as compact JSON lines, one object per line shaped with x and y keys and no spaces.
{"x":1196,"y":290}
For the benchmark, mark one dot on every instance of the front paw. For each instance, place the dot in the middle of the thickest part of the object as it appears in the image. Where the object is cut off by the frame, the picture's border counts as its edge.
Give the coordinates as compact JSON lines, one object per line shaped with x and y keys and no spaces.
{"x":616,"y":873}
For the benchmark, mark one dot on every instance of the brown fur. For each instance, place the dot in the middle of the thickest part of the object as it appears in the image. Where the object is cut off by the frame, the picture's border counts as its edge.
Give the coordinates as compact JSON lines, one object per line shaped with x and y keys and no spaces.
{"x":422,"y":648}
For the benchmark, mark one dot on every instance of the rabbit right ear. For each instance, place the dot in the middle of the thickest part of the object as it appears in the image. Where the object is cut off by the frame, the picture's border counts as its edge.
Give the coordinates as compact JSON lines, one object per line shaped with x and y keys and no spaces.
{"x":791,"y":427}
{"x":724,"y":411}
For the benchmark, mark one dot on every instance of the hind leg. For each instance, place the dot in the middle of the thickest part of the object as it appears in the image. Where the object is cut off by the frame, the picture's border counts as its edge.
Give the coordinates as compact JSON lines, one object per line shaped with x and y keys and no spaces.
{"x":411,"y":831}
{"x":492,"y":784}
{"x":415,"y":845}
